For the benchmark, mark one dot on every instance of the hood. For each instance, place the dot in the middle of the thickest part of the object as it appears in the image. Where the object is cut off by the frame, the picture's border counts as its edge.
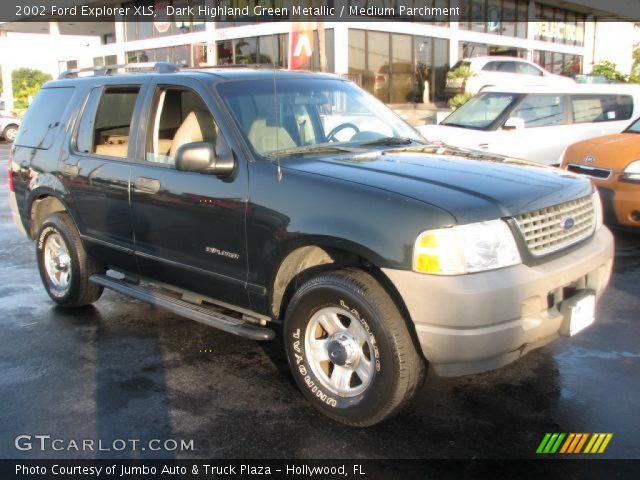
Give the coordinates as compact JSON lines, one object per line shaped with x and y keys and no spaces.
{"x":610,"y":151}
{"x":461,"y":137}
{"x":472,"y":186}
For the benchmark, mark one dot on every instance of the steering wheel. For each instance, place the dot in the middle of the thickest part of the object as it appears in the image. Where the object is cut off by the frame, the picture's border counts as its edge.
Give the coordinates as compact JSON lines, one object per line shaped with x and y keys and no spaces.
{"x":331,"y":136}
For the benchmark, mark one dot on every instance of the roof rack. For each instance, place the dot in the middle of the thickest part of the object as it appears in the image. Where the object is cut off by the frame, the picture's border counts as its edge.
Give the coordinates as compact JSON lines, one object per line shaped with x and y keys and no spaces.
{"x":257,"y":66}
{"x":155,"y":67}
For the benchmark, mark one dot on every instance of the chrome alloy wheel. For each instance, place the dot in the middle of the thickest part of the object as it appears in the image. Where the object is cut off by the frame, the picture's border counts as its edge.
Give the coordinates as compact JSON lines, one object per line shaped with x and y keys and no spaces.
{"x":57,"y":263}
{"x":339,"y":351}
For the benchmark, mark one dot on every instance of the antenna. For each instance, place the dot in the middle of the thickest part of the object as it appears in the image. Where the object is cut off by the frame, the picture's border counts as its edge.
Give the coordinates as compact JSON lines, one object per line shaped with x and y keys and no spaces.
{"x":277,"y":114}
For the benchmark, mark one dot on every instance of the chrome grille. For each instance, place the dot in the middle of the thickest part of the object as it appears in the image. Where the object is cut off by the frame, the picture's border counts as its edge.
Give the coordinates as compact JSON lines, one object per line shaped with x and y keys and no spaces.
{"x":545,"y":231}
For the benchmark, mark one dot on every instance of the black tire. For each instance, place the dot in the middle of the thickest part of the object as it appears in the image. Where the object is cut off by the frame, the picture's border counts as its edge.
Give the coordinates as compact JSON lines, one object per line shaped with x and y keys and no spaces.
{"x":399,"y":368}
{"x":80,"y":291}
{"x":10,"y":132}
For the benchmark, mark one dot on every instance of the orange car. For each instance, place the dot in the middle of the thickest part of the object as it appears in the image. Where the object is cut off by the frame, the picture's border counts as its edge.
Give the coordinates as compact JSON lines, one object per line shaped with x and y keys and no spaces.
{"x":613,"y":164}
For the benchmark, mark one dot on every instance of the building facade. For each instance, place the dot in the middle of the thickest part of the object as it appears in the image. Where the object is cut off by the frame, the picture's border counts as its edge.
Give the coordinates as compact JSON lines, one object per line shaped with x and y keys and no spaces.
{"x":398,"y":61}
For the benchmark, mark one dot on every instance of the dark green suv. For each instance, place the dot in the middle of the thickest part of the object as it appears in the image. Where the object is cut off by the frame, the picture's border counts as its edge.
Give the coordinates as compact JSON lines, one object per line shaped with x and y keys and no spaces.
{"x":248,"y":199}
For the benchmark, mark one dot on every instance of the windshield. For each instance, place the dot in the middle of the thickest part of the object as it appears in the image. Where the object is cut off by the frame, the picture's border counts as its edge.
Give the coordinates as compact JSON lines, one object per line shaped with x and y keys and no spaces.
{"x":634,"y":127}
{"x":311,"y":116}
{"x":481,"y":111}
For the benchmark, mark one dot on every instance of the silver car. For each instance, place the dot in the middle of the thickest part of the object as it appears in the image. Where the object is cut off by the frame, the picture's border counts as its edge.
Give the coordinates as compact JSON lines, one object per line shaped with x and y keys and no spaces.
{"x":9,"y":127}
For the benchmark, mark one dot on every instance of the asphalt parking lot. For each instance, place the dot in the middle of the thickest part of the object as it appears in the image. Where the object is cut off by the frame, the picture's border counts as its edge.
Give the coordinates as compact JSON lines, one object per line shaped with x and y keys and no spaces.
{"x":125,"y":370}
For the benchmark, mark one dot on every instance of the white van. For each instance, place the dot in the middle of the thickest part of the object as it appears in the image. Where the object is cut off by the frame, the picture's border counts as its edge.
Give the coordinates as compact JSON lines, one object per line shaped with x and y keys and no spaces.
{"x":537,"y":123}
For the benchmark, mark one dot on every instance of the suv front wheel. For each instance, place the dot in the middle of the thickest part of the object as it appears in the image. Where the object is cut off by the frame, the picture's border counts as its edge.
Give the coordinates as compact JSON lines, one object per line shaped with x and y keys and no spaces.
{"x":349,"y":348}
{"x":64,"y":265}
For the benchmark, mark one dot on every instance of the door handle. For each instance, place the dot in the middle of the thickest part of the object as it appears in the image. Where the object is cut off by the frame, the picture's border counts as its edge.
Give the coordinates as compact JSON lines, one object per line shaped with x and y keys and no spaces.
{"x":147,"y":185}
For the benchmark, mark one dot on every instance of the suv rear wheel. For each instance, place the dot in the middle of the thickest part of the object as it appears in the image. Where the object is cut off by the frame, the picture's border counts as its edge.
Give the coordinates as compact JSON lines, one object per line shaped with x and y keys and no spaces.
{"x":64,"y":266}
{"x":349,"y":348}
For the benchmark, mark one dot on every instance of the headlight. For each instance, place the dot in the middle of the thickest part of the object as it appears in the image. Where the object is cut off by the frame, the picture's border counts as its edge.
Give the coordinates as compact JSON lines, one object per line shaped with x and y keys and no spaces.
{"x":631,"y":172}
{"x":597,"y":207}
{"x":465,"y":249}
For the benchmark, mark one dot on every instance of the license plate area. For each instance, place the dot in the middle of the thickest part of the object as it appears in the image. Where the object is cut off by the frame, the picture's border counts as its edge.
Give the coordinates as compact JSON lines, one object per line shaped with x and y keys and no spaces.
{"x":579,"y":312}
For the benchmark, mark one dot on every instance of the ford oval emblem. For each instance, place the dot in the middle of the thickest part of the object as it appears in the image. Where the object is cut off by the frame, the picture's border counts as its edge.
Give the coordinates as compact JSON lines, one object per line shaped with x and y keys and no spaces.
{"x":589,"y":159}
{"x":567,"y":223}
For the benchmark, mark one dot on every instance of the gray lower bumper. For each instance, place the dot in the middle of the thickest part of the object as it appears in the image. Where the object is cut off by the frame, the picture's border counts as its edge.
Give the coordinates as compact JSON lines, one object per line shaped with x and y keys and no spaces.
{"x":473,"y":323}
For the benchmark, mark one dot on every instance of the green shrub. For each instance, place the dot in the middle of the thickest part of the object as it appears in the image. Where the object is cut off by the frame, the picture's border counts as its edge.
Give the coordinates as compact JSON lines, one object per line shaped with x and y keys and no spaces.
{"x":460,"y":72}
{"x":26,"y":83}
{"x":459,"y":100}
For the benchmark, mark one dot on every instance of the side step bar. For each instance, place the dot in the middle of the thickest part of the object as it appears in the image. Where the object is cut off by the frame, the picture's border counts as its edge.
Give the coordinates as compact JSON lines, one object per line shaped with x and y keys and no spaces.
{"x":207,"y":316}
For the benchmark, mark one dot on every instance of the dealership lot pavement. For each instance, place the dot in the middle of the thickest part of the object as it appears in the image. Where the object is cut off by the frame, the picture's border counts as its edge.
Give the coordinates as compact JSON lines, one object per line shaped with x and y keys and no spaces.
{"x":125,"y":370}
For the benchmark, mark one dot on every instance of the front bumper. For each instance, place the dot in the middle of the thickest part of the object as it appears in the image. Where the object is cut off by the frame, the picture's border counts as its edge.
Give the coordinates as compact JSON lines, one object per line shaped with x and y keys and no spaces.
{"x":620,"y":202}
{"x":477,"y":322}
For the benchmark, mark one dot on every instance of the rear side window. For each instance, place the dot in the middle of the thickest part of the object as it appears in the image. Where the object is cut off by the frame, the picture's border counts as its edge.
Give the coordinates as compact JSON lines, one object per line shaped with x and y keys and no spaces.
{"x":490,"y":67}
{"x":526,"y":69}
{"x":541,"y":110}
{"x":601,"y":108}
{"x":44,"y":117}
{"x":507,"y":67}
{"x":105,"y":130}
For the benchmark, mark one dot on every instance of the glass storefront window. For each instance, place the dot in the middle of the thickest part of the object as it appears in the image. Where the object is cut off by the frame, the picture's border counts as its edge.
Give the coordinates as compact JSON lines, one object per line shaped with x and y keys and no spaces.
{"x":376,"y":77}
{"x":559,"y":63}
{"x":163,"y":25}
{"x":272,"y":50}
{"x":357,"y":59}
{"x":509,"y":14}
{"x":399,"y":68}
{"x":246,"y":51}
{"x":180,"y":55}
{"x":470,"y":49}
{"x":499,"y":17}
{"x":558,"y":25}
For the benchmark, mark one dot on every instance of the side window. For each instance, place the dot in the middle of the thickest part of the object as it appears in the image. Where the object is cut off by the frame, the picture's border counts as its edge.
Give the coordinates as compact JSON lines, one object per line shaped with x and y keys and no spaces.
{"x":44,"y":117}
{"x":105,"y":130}
{"x":507,"y":67}
{"x":180,"y":117}
{"x":601,"y":108}
{"x":490,"y":67}
{"x":541,"y":110}
{"x":526,"y":69}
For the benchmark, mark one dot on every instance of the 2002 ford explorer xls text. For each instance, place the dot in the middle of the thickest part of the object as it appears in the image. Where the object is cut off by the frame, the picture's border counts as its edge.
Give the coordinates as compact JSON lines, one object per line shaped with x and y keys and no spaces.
{"x":245,"y":198}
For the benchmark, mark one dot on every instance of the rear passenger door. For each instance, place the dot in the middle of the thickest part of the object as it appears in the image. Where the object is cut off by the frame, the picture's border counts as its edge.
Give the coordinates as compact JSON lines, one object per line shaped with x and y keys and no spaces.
{"x":97,"y":169}
{"x":189,"y":227}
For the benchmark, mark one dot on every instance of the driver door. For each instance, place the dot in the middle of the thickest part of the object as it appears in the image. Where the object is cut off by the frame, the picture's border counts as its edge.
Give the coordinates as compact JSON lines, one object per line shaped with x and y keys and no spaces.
{"x":189,"y":227}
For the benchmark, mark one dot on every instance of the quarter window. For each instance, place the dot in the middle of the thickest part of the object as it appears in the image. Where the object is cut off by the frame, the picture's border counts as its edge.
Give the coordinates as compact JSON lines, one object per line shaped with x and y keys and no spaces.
{"x":601,"y":108}
{"x":44,"y":117}
{"x":541,"y":110}
{"x":526,"y":69}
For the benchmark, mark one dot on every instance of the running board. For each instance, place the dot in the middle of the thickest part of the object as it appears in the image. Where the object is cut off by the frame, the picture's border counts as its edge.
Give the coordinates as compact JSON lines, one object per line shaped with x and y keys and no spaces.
{"x":207,"y":316}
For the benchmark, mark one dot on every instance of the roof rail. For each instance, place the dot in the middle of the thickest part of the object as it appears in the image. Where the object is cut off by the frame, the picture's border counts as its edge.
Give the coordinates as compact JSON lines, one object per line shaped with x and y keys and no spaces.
{"x":256,"y":66}
{"x":155,"y":67}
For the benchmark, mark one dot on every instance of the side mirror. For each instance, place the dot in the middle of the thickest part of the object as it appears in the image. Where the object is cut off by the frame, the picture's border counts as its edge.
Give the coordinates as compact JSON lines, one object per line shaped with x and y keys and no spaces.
{"x":514,"y":123}
{"x":201,"y":157}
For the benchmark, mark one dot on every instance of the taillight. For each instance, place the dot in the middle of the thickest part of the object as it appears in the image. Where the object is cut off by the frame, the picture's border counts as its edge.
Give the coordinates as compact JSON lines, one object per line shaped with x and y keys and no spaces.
{"x":380,"y":78}
{"x":10,"y":177}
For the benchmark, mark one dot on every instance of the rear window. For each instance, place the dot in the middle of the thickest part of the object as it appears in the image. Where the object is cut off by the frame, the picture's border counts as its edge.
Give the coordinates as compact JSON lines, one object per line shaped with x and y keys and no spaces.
{"x":601,"y":108}
{"x":44,"y":117}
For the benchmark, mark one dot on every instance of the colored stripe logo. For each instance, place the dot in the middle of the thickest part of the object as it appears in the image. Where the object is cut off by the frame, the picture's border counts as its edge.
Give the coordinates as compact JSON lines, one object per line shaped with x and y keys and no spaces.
{"x":574,"y":443}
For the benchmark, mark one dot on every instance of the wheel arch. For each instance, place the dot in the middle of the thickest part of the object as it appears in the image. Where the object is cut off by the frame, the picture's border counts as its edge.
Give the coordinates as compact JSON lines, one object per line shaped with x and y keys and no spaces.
{"x":41,"y":205}
{"x":302,"y":262}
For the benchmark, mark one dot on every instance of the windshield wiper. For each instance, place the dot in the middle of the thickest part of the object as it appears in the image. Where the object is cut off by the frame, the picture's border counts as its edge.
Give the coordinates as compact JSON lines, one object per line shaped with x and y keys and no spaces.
{"x":389,"y":141}
{"x":310,"y":150}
